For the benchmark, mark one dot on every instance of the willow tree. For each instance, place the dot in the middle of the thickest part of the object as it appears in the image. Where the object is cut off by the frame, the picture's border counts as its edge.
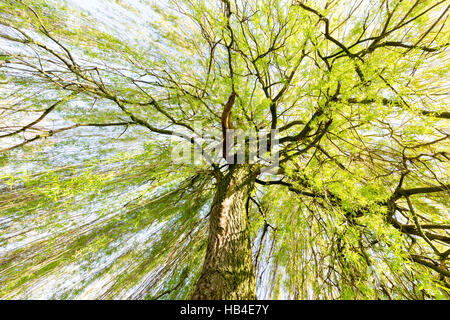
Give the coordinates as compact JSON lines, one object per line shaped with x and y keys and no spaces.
{"x":93,"y":204}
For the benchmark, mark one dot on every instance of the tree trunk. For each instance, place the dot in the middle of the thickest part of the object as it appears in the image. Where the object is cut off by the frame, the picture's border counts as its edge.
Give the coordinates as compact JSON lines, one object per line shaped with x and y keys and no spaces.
{"x":228,"y":267}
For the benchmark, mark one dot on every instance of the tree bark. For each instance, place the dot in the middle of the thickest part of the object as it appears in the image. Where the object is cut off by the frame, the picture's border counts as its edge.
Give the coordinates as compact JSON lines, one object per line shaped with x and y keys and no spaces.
{"x":228,"y":267}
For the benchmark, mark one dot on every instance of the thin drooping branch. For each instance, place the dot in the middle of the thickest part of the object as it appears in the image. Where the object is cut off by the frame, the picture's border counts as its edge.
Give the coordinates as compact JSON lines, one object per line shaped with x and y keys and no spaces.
{"x":420,"y":190}
{"x":50,"y":133}
{"x":41,"y":117}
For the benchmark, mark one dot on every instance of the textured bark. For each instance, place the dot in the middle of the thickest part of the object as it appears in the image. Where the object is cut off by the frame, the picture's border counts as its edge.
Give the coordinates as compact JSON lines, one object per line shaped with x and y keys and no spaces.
{"x":228,"y":268}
